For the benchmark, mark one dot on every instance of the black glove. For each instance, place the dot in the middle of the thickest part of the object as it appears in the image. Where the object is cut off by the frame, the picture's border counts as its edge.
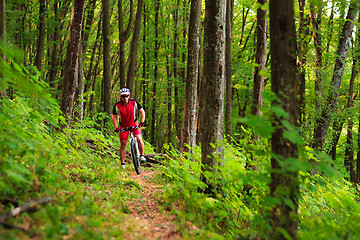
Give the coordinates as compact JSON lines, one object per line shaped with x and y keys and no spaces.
{"x":142,"y":124}
{"x":117,"y":129}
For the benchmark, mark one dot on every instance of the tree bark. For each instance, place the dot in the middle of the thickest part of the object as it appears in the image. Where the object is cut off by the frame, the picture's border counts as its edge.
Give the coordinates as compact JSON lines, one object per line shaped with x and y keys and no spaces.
{"x":284,"y":186}
{"x":336,"y":131}
{"x":2,"y":20}
{"x":303,"y":46}
{"x":349,"y":149}
{"x":79,"y":113}
{"x":2,"y":35}
{"x":89,"y":22}
{"x":190,"y":104}
{"x":176,"y":75}
{"x":169,"y":101}
{"x":260,"y":59}
{"x":212,"y":92}
{"x":91,"y":72}
{"x":54,"y":55}
{"x":145,"y":74}
{"x":228,"y":69}
{"x":124,"y":34}
{"x":134,"y":46}
{"x":106,"y":56}
{"x":41,"y":36}
{"x":71,"y":62}
{"x":323,"y":122}
{"x":315,"y":19}
{"x":156,"y":52}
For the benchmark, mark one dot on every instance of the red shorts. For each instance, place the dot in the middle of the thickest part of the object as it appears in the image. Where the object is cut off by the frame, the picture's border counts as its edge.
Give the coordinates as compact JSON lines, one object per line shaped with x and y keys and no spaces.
{"x":125,"y":135}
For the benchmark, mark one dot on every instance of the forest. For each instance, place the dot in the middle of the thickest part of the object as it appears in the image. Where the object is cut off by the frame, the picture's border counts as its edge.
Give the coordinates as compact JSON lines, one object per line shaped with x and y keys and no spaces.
{"x":252,"y":119}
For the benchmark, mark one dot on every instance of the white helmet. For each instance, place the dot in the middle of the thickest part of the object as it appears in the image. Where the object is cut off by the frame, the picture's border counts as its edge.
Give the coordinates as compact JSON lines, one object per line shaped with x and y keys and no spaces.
{"x":124,"y":91}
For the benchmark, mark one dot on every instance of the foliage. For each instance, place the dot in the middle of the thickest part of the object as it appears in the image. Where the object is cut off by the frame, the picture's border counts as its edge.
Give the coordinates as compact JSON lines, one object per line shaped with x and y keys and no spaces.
{"x":87,"y":187}
{"x":328,"y":207}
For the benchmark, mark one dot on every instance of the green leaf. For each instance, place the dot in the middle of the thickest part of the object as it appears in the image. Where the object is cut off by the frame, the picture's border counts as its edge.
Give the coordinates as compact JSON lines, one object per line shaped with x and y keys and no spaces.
{"x":259,"y":125}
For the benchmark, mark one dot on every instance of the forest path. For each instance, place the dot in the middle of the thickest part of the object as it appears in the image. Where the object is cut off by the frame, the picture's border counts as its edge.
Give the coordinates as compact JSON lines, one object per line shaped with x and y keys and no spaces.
{"x":147,"y":220}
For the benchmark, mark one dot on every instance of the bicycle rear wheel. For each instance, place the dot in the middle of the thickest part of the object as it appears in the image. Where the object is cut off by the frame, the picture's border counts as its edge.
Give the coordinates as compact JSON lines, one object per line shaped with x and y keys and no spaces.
{"x":135,"y":156}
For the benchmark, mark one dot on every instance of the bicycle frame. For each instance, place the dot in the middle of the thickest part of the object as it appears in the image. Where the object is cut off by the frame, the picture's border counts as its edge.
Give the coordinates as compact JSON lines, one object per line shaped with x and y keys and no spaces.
{"x":135,"y":154}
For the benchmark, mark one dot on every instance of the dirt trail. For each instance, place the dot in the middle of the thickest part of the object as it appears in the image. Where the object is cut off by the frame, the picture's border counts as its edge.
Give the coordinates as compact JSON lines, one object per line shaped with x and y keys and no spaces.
{"x":151,"y":222}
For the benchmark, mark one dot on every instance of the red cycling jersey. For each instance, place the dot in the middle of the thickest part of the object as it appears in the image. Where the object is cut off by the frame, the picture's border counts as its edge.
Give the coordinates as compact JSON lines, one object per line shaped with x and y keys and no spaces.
{"x":127,"y":112}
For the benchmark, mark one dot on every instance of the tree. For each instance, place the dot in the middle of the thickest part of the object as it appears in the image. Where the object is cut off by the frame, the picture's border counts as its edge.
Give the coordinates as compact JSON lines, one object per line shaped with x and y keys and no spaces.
{"x":2,"y":20}
{"x":2,"y":30}
{"x":323,"y":122}
{"x":177,"y":118}
{"x":315,"y":19}
{"x":228,"y":67}
{"x":284,"y":182}
{"x":106,"y":56}
{"x":212,"y":91}
{"x":71,"y":62}
{"x":190,"y":105}
{"x":303,"y":46}
{"x":156,"y":67}
{"x":260,"y":59}
{"x":349,"y":160}
{"x":349,"y":149}
{"x":134,"y":46}
{"x":124,"y":34}
{"x":41,"y":38}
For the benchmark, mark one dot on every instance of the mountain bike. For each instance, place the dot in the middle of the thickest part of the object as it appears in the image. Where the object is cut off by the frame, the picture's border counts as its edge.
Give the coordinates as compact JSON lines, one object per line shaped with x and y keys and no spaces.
{"x":135,"y":154}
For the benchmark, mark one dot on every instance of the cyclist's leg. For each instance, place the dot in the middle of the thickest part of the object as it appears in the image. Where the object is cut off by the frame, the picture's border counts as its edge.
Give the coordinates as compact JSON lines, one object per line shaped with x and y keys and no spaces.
{"x":123,"y":142}
{"x":140,"y":143}
{"x":123,"y":150}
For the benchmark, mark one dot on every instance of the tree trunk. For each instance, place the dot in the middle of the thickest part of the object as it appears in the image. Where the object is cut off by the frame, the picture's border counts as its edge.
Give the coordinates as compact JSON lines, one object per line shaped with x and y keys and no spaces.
{"x":330,"y":27}
{"x":106,"y":56}
{"x":260,"y":59}
{"x":41,"y":38}
{"x":212,"y":93}
{"x":303,"y":46}
{"x":229,"y":87}
{"x":323,"y":122}
{"x":284,"y":186}
{"x":134,"y":46}
{"x":2,"y":20}
{"x":89,"y":22}
{"x":315,"y":18}
{"x":54,"y":55}
{"x":349,"y":149}
{"x":71,"y":62}
{"x":156,"y":52}
{"x":145,"y":74}
{"x":79,"y":113}
{"x":337,"y":128}
{"x":177,"y":118}
{"x":91,"y":72}
{"x":2,"y":36}
{"x":123,"y":37}
{"x":169,"y":100}
{"x":190,"y":105}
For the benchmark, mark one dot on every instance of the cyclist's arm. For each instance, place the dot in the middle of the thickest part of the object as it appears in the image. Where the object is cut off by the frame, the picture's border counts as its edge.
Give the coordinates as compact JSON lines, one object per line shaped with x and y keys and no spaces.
{"x":142,"y":115}
{"x":114,"y":121}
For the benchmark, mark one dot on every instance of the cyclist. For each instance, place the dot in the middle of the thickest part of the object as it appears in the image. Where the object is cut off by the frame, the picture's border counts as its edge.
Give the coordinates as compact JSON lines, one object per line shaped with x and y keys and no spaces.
{"x":126,"y":109}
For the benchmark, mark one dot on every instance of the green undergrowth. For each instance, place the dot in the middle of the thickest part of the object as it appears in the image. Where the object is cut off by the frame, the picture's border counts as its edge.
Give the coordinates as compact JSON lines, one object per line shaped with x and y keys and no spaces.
{"x":88,"y":188}
{"x":77,"y":167}
{"x":328,"y":206}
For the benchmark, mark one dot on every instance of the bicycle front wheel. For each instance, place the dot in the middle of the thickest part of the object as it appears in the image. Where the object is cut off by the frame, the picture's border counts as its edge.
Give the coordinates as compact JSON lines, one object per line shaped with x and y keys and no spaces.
{"x":135,"y":156}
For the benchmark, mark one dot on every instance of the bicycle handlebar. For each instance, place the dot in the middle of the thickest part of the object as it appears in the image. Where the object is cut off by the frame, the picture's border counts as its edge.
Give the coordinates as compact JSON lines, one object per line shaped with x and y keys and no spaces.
{"x":128,"y":128}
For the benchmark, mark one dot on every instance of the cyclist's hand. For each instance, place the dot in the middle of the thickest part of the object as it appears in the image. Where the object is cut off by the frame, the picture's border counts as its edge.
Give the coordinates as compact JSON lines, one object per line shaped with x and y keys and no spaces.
{"x":142,"y":124}
{"x":117,"y":129}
